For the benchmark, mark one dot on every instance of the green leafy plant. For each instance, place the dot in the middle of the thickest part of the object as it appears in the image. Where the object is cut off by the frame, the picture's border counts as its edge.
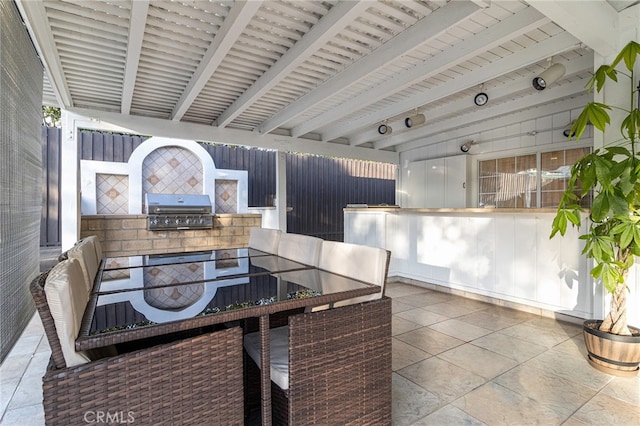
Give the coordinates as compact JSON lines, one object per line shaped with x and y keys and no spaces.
{"x":612,"y":174}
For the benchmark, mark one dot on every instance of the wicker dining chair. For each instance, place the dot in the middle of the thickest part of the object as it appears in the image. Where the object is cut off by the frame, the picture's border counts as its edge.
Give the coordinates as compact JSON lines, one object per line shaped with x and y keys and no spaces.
{"x":193,"y":380}
{"x":331,"y":367}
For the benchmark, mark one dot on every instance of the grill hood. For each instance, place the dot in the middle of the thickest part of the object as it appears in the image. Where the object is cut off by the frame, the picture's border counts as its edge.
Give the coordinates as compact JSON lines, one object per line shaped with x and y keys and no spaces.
{"x":178,"y":212}
{"x":178,"y":204}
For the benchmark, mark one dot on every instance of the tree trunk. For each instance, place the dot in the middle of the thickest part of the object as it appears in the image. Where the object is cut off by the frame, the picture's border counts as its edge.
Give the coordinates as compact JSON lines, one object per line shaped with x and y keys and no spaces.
{"x":616,"y":321}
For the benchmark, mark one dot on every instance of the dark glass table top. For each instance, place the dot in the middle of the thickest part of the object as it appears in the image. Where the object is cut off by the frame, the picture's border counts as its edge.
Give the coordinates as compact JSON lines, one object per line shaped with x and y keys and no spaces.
{"x":142,"y":292}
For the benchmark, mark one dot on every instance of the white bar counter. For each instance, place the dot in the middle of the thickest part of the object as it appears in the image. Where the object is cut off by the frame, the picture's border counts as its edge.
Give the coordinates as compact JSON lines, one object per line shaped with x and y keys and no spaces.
{"x":500,"y":254}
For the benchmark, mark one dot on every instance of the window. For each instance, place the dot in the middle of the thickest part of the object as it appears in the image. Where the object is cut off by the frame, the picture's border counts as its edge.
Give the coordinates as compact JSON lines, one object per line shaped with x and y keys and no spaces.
{"x":555,"y":167}
{"x":514,"y":182}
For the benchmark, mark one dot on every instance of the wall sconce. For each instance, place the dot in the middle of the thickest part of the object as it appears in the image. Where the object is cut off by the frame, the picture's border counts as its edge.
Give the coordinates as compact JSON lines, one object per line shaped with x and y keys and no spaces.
{"x":383,"y":129}
{"x":549,"y":76}
{"x":567,"y":130}
{"x":465,"y":147}
{"x":414,"y":120}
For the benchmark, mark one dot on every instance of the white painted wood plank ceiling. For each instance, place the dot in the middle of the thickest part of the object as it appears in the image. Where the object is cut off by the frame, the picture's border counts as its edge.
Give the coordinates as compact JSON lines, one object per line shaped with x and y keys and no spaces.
{"x":312,"y":73}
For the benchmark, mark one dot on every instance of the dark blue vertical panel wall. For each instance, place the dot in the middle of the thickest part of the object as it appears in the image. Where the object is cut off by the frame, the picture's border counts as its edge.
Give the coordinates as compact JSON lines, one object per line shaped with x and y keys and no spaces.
{"x":50,"y":219}
{"x":318,"y":188}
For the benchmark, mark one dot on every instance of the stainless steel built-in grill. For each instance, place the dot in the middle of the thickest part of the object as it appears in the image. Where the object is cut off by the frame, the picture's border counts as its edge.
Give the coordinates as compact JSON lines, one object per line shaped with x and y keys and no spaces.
{"x":178,"y":212}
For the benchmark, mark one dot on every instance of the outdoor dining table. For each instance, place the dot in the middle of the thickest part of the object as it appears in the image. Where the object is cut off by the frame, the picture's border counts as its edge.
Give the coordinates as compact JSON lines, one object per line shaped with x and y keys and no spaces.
{"x":140,"y":297}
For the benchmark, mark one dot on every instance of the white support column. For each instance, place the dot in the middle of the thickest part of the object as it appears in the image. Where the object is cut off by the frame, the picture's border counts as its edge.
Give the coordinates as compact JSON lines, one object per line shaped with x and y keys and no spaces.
{"x":281,"y":190}
{"x":69,"y":182}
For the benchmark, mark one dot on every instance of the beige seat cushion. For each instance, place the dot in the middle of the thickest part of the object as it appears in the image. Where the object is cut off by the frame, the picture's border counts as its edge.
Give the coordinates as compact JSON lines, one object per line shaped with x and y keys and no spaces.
{"x":84,"y":252}
{"x":265,"y":239}
{"x":278,"y":350}
{"x":300,"y":248}
{"x":67,"y":305}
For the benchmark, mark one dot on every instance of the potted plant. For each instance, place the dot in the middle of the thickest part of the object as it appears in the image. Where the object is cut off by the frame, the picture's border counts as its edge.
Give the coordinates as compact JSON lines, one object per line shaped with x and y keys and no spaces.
{"x":611,"y":175}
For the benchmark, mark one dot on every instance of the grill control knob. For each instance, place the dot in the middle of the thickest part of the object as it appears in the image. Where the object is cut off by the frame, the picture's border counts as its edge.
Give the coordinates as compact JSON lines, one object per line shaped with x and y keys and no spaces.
{"x":167,"y":221}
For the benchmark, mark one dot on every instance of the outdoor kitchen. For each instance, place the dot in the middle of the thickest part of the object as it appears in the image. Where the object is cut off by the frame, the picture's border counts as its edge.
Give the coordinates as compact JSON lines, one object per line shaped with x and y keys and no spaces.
{"x":168,"y":197}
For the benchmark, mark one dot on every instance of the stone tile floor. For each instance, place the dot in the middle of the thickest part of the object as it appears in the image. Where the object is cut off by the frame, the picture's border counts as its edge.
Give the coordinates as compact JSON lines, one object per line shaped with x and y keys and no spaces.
{"x":456,"y":361}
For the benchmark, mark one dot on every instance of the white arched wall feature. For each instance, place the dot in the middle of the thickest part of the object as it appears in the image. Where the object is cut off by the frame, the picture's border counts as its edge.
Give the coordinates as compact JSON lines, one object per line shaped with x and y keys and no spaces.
{"x":133,"y":170}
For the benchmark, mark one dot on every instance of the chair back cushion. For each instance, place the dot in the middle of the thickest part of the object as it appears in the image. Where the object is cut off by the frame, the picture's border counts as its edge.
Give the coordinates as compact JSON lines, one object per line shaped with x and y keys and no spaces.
{"x":67,"y":303}
{"x":365,"y":263}
{"x":300,"y":248}
{"x":265,"y":239}
{"x":93,"y":239}
{"x":84,"y":252}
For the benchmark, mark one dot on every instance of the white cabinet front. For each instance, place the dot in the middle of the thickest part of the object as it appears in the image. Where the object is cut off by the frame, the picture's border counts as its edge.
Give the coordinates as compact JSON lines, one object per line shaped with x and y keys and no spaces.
{"x":437,"y":183}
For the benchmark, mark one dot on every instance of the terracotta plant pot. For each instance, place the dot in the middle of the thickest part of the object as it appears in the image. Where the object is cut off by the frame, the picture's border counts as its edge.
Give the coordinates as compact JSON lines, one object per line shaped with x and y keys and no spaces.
{"x":612,"y":353}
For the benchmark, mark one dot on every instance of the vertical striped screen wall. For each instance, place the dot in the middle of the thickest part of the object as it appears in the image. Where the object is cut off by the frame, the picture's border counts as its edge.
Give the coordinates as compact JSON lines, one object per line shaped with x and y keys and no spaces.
{"x":20,"y":174}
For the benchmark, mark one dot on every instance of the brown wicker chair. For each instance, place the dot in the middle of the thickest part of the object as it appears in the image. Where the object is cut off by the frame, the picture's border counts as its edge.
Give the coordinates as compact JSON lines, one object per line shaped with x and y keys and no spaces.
{"x":194,"y":380}
{"x":339,"y":368}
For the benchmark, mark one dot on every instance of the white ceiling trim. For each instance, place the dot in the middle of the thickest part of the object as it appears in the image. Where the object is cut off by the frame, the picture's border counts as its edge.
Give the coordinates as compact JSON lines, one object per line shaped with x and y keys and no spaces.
{"x":231,"y":29}
{"x":494,"y":36}
{"x":515,"y":61}
{"x":427,"y":28}
{"x":37,"y":22}
{"x":203,"y":132}
{"x":137,"y":23}
{"x":595,"y":23}
{"x":328,"y":27}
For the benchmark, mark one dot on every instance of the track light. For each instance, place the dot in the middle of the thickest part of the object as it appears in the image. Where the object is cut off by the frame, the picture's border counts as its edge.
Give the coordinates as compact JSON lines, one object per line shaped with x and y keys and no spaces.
{"x":414,"y":120}
{"x":481,"y":98}
{"x":383,"y":129}
{"x":465,"y":147}
{"x":549,"y":76}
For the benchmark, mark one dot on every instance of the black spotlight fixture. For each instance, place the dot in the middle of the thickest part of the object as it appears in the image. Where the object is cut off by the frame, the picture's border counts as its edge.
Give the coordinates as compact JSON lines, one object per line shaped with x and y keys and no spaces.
{"x":553,"y":73}
{"x":414,"y":120}
{"x":465,"y":147}
{"x":481,"y":99}
{"x":383,"y":129}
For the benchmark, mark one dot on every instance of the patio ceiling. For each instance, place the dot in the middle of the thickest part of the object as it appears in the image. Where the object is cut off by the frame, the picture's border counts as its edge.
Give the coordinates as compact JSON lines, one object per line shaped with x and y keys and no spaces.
{"x":317,"y":76}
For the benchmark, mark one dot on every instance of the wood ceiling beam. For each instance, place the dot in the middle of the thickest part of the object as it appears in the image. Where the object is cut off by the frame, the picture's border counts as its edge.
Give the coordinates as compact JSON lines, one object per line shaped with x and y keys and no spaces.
{"x":414,"y":36}
{"x":513,"y":89}
{"x":442,"y":123}
{"x":137,"y":24}
{"x":341,"y":15}
{"x":203,"y":132}
{"x":531,"y":55}
{"x":234,"y":24}
{"x":35,"y":17}
{"x":595,"y":23}
{"x":494,"y":36}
